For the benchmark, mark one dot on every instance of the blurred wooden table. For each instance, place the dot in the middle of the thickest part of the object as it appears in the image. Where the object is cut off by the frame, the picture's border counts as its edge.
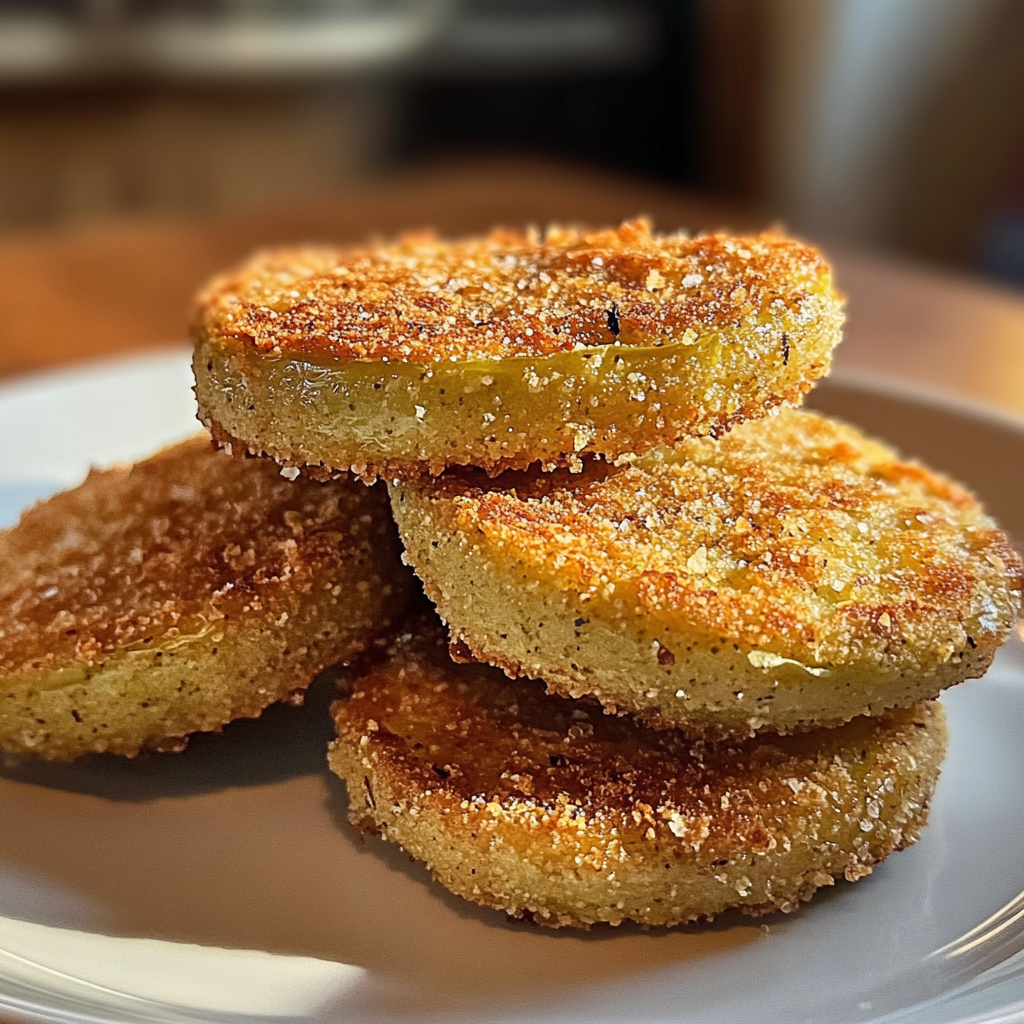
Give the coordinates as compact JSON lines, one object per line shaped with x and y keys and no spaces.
{"x":99,"y":290}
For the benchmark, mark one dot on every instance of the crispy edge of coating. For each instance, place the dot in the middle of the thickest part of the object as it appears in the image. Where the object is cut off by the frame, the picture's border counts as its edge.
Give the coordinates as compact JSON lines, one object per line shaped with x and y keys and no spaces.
{"x":750,"y":841}
{"x":713,"y":691}
{"x":287,"y":455}
{"x":265,"y":644}
{"x":245,"y":423}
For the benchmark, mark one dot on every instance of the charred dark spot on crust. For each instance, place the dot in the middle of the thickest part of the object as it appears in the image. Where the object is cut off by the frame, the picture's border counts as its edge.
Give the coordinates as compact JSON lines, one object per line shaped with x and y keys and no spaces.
{"x":614,"y":322}
{"x":665,"y":656}
{"x":785,"y":349}
{"x":369,"y":794}
{"x":441,"y":773}
{"x":559,"y":761}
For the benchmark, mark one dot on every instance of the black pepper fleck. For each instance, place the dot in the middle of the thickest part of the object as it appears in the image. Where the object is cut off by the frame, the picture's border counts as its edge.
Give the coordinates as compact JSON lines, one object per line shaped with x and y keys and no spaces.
{"x":614,"y":323}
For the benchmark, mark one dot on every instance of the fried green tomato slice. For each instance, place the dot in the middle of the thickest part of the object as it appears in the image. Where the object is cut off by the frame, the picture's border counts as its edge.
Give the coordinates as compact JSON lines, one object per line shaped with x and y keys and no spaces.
{"x":790,"y":575}
{"x":178,"y":594}
{"x":502,"y":351}
{"x":549,"y":808}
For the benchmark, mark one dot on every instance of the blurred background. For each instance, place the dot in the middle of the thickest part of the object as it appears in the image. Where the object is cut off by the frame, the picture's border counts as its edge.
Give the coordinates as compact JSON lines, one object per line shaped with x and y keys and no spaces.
{"x":894,"y":124}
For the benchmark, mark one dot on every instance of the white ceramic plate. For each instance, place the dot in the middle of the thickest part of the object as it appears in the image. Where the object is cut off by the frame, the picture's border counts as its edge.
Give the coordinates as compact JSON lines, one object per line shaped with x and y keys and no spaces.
{"x":223,"y":884}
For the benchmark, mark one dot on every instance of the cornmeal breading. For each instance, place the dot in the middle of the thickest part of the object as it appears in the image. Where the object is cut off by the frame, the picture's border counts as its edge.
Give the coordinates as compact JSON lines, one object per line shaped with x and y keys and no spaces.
{"x":788,"y":575}
{"x":548,"y":808}
{"x":178,"y":594}
{"x":502,"y":351}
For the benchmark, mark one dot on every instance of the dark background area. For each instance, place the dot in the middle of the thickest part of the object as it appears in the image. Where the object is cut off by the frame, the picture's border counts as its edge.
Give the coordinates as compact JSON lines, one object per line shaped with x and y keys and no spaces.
{"x":627,"y":105}
{"x":898,"y":126}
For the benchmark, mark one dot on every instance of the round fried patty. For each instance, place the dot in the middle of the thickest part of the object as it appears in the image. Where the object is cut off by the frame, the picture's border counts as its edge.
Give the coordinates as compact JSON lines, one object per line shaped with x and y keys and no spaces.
{"x":549,"y":808}
{"x":178,"y":594}
{"x":790,"y":574}
{"x":502,"y":351}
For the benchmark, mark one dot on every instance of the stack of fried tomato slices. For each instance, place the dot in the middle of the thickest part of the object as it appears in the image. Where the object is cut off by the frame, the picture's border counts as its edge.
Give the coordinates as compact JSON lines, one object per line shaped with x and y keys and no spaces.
{"x":694,"y":634}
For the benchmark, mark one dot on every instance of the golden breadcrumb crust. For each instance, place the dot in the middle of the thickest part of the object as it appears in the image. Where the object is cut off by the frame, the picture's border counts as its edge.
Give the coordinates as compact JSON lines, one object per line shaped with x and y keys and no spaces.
{"x":500,"y":351}
{"x":180,"y":593}
{"x":791,"y":574}
{"x":548,"y":808}
{"x":423,"y":300}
